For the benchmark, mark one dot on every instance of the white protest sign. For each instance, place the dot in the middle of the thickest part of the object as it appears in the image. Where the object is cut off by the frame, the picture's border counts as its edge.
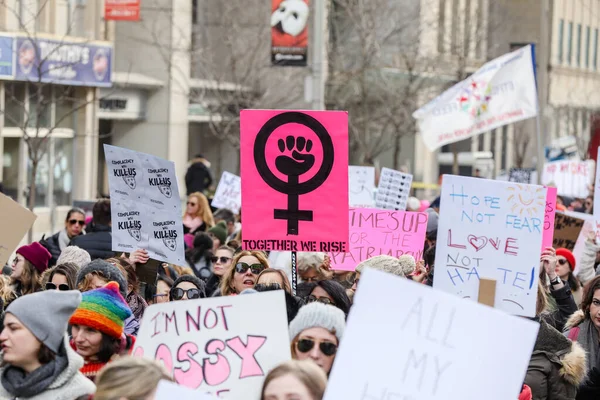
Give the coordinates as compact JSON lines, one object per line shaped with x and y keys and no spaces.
{"x":571,"y":178}
{"x":223,"y":345}
{"x":493,"y":230}
{"x":416,"y":343}
{"x":144,"y":192}
{"x":361,"y":182}
{"x":168,"y":390}
{"x":229,"y":193}
{"x":597,"y":188}
{"x":393,"y":190}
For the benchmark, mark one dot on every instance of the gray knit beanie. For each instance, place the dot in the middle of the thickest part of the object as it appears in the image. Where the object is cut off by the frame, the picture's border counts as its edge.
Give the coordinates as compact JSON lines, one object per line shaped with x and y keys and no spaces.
{"x":319,"y":315}
{"x":46,"y":314}
{"x":400,"y":267}
{"x":75,"y":255}
{"x":108,"y":271}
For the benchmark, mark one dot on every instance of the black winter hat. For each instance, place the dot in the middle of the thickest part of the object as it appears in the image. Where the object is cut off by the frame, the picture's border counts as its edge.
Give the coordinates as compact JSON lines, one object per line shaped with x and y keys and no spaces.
{"x":193,"y":280}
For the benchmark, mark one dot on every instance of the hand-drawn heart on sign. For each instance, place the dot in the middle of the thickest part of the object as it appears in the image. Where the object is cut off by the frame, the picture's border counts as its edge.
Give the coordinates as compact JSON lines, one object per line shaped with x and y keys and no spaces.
{"x":478,"y":242}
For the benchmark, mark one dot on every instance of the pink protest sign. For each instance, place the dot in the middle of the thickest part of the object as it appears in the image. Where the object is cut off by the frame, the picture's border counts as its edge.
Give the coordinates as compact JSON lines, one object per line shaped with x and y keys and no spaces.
{"x":294,"y":167}
{"x":374,"y":232}
{"x":548,"y":235}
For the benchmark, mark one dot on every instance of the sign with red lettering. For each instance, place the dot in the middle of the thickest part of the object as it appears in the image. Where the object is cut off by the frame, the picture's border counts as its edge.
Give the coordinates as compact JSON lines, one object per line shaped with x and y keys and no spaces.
{"x":122,"y":10}
{"x":493,"y":230}
{"x":374,"y":232}
{"x":223,"y":345}
{"x":572,"y":178}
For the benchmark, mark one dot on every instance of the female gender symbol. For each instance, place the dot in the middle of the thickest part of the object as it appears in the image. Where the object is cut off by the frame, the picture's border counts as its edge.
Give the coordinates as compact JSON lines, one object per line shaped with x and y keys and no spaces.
{"x":295,"y":165}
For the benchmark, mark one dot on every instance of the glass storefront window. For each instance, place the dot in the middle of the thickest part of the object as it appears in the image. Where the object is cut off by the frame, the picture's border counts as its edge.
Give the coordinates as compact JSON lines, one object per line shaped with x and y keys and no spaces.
{"x":65,"y":103}
{"x":10,"y":167}
{"x":15,"y":104}
{"x":42,"y":178}
{"x":62,"y":170}
{"x":40,"y":106}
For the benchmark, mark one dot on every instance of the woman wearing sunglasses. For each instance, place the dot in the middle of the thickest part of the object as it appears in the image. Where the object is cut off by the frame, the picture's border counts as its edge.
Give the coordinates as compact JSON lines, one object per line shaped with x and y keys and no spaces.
{"x":187,"y":287}
{"x":331,"y":293}
{"x":56,"y":243}
{"x":316,"y":333}
{"x":564,"y":270}
{"x":198,"y":216}
{"x":243,"y":273}
{"x":62,"y":277}
{"x":221,"y":262}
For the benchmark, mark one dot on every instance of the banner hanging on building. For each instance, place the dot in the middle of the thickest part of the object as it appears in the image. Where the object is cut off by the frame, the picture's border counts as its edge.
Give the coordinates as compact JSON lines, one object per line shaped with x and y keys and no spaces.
{"x":122,"y":10}
{"x":501,"y":92}
{"x":289,"y":32}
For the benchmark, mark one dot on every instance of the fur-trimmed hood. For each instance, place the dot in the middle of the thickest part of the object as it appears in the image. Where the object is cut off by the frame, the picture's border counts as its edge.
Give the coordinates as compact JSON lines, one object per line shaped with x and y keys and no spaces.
{"x":560,"y":350}
{"x":574,"y":320}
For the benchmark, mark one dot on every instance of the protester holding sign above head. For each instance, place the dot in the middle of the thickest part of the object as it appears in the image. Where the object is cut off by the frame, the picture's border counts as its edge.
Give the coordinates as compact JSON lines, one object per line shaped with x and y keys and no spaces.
{"x":557,"y":365}
{"x":38,"y":363}
{"x":28,"y":265}
{"x":55,"y":244}
{"x":565,"y":268}
{"x":243,"y":273}
{"x":298,"y":380}
{"x":98,"y":240}
{"x":316,"y":333}
{"x":97,"y":328}
{"x":199,"y":256}
{"x":198,"y":216}
{"x":187,"y":287}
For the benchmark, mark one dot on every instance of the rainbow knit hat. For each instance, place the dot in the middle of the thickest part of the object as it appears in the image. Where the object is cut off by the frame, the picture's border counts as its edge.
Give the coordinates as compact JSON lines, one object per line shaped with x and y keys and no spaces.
{"x":103,"y":309}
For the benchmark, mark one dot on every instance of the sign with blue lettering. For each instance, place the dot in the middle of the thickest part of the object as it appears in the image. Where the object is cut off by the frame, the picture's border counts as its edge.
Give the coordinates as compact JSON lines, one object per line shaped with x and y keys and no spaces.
{"x":493,"y":230}
{"x":7,"y":59}
{"x":63,"y":63}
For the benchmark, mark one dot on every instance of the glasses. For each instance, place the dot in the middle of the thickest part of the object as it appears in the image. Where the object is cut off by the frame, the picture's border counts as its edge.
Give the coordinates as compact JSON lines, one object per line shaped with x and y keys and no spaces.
{"x":562,"y":261}
{"x":177,"y":293}
{"x":222,"y":260}
{"x":76,"y":221}
{"x":324,"y":300}
{"x":52,"y":286}
{"x":189,"y":203}
{"x":306,"y":345}
{"x":265,"y":287}
{"x":243,"y":267}
{"x":162,"y":295}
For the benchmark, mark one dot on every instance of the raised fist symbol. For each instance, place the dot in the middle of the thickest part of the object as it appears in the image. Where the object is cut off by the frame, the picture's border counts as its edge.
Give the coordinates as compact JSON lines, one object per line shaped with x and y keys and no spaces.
{"x":300,"y":162}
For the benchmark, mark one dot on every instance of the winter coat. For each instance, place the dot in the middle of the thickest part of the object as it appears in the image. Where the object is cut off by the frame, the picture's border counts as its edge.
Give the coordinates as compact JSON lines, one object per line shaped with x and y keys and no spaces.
{"x":557,"y":366}
{"x":198,"y":176}
{"x":51,"y":244}
{"x":97,"y":242}
{"x":69,"y":385}
{"x":565,"y":307}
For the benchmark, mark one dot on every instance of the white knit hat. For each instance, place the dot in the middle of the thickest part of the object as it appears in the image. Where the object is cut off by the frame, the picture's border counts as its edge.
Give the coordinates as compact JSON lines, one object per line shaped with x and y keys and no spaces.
{"x":75,"y":255}
{"x":319,"y":315}
{"x":397,"y":266}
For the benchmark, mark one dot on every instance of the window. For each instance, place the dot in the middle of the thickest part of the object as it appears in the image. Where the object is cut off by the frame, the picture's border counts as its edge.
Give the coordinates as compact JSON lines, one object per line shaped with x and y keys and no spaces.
{"x":588,"y":32}
{"x":595,"y":61}
{"x":570,"y":43}
{"x":63,"y":178}
{"x":42,"y":176}
{"x":10,"y":167}
{"x":561,"y":27}
{"x":578,"y":50}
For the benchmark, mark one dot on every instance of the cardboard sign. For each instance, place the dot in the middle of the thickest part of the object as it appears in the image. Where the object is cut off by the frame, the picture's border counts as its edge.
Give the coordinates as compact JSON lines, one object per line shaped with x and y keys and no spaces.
{"x":295,"y":176}
{"x":566,"y":231}
{"x":493,"y":230}
{"x":393,"y":190}
{"x":167,"y":390}
{"x":224,"y":345}
{"x":145,"y":205}
{"x":229,"y":193}
{"x":426,"y":345}
{"x":374,"y":232}
{"x":361,"y":181}
{"x":571,"y":178}
{"x":520,"y":175}
{"x":17,"y":220}
{"x":549,"y":216}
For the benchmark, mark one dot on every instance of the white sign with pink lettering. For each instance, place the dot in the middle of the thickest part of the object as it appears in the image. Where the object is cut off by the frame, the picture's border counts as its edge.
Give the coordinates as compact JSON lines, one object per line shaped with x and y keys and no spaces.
{"x":223,"y":345}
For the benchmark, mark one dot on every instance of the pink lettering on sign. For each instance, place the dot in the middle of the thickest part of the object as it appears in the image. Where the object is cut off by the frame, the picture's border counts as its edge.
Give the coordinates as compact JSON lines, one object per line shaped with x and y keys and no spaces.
{"x":549,"y":214}
{"x":294,"y":168}
{"x":375,"y":232}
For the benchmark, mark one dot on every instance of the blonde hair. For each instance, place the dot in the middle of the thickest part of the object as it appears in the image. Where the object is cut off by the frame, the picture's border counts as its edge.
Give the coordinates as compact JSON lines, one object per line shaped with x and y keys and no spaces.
{"x":286,"y":282}
{"x":307,"y":372}
{"x":129,"y":377}
{"x":7,"y":292}
{"x":30,"y":280}
{"x":315,"y":260}
{"x":204,"y":211}
{"x":542,"y":299}
{"x":227,"y":280}
{"x":182,"y":270}
{"x":86,"y":282}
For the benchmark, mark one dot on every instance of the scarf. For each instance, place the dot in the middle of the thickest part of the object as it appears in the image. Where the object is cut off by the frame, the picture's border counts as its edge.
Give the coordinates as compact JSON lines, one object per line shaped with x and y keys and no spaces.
{"x":588,"y":338}
{"x":63,"y":239}
{"x":20,"y":384}
{"x":137,"y":304}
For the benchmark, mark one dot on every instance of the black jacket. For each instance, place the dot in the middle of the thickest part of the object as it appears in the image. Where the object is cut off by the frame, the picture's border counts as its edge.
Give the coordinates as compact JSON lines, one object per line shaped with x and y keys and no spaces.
{"x":51,"y":244}
{"x":565,"y":307}
{"x":97,"y":242}
{"x":198,"y":176}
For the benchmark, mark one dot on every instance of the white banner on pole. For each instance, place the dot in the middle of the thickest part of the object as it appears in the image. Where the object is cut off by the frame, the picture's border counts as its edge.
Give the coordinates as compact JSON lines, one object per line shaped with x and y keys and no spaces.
{"x":501,"y":92}
{"x":572,"y":178}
